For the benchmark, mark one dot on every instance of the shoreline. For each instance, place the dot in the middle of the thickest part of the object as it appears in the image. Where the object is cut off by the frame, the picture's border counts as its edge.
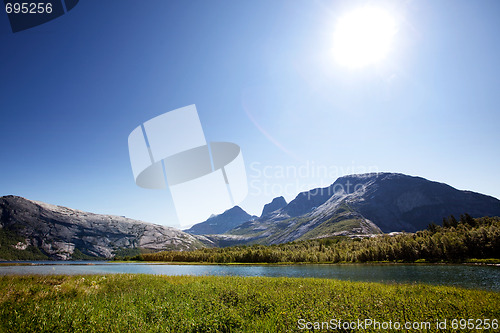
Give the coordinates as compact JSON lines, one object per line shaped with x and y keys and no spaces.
{"x":485,"y":262}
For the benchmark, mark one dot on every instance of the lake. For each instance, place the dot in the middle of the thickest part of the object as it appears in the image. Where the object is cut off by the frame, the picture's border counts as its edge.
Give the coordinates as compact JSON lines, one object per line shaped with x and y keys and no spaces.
{"x":469,"y":276}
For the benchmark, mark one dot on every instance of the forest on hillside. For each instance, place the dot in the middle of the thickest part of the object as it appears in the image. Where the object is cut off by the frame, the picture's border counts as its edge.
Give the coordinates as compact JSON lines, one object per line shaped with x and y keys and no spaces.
{"x":453,"y":241}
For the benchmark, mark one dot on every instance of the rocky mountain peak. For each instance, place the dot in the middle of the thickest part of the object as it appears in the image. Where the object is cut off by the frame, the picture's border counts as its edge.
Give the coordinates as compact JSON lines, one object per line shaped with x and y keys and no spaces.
{"x":274,"y":205}
{"x":221,"y":223}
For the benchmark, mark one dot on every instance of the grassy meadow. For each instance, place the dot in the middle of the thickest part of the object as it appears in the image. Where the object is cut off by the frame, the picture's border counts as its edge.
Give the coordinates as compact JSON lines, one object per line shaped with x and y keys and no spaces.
{"x":147,"y":303}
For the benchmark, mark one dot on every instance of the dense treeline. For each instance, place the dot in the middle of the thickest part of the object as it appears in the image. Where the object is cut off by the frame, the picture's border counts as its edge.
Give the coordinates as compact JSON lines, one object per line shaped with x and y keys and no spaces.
{"x":455,"y":240}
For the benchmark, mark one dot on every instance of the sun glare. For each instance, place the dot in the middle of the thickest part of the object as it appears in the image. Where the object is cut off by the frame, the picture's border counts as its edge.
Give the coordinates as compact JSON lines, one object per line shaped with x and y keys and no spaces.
{"x":363,"y":37}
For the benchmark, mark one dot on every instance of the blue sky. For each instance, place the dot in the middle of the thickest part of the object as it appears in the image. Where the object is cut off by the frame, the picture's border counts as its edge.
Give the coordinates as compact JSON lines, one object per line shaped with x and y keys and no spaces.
{"x":262,"y":75}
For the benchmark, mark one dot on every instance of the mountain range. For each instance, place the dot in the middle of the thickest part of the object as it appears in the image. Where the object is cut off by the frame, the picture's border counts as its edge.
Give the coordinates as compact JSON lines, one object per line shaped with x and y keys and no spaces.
{"x":361,"y":205}
{"x":355,"y":205}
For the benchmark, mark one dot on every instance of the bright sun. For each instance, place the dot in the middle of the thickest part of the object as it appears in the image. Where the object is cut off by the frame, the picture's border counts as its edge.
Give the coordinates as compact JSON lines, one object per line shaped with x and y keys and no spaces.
{"x":363,"y":37}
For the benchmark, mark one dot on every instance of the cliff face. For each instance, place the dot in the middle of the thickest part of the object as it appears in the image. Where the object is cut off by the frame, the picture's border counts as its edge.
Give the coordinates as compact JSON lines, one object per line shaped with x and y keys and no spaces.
{"x":59,"y":231}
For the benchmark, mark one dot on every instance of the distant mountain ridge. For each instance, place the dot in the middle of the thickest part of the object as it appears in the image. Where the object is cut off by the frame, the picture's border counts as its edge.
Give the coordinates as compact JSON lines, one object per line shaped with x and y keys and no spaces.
{"x":219,"y":224}
{"x":61,"y":233}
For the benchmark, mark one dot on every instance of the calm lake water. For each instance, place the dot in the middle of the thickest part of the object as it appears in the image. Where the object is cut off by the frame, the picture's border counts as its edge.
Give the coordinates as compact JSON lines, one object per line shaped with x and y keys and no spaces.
{"x":470,"y":276}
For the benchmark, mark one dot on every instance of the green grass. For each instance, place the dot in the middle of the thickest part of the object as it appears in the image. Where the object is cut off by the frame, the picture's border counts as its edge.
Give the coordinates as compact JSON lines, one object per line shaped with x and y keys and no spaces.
{"x":146,"y":303}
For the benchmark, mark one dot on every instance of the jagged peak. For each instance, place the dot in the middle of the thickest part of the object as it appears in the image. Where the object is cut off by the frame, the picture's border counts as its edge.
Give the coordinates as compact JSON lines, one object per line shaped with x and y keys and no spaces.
{"x":235,"y":209}
{"x":274,"y":205}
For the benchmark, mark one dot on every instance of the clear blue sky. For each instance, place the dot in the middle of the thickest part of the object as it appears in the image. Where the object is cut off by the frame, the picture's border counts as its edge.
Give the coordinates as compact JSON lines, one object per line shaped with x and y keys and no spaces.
{"x":262,"y":75}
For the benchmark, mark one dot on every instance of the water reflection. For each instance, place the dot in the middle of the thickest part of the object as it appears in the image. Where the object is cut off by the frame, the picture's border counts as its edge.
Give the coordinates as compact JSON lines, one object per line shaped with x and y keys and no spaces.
{"x":471,"y":276}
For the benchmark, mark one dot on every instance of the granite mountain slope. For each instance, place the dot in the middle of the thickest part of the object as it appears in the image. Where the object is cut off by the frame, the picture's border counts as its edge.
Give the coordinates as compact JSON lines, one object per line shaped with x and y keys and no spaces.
{"x":59,"y":231}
